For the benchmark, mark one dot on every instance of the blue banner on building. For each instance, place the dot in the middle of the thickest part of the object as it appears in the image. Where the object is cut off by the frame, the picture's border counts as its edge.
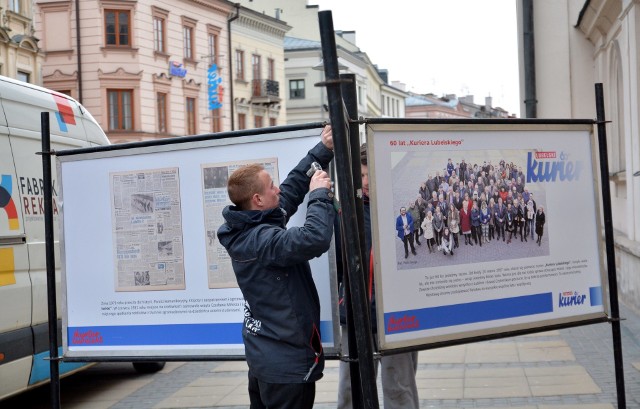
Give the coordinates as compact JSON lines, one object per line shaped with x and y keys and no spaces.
{"x":176,"y":70}
{"x":215,"y":89}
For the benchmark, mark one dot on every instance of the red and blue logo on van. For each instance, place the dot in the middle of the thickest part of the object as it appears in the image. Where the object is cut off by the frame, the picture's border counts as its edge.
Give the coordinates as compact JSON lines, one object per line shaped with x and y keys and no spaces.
{"x":6,"y":202}
{"x":65,"y":113}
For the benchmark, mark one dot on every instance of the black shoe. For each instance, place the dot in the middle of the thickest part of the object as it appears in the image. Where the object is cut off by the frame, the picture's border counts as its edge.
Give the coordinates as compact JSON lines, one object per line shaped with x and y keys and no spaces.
{"x":406,"y":255}
{"x":414,"y":252}
{"x":452,"y":252}
{"x":419,"y":244}
{"x":525,"y":239}
{"x":444,"y":252}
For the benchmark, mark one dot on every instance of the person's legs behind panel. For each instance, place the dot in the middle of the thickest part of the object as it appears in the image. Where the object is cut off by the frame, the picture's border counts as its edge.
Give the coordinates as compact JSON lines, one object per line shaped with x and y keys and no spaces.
{"x":399,"y":381}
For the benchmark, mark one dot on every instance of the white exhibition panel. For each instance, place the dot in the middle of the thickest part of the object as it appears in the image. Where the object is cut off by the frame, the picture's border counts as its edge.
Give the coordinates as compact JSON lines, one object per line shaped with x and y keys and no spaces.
{"x":101,"y":319}
{"x":497,"y":288}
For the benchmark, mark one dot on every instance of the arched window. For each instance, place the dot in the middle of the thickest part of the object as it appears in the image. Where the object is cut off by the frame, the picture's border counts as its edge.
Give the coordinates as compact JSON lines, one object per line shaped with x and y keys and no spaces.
{"x":616,"y":142}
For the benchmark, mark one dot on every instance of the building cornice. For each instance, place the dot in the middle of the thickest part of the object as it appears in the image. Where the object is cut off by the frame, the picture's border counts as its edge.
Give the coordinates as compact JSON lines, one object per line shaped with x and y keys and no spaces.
{"x":278,"y":30}
{"x":59,"y":76}
{"x":597,"y":18}
{"x":120,"y":75}
{"x":224,"y":7}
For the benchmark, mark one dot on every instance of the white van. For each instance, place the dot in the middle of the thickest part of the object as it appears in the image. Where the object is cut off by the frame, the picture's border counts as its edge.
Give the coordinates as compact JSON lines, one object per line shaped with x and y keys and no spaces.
{"x":24,"y":339}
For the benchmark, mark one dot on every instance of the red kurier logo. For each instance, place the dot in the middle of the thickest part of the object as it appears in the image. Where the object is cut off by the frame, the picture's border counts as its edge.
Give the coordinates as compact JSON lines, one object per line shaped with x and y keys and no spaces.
{"x":406,"y":322}
{"x":546,"y":155}
{"x":86,"y":338}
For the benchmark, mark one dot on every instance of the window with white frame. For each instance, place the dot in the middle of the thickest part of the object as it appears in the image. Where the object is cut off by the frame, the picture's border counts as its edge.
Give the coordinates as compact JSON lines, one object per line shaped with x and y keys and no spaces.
{"x":158,"y":34}
{"x":187,"y":37}
{"x":212,"y":47}
{"x":15,"y":6}
{"x":22,"y":76}
{"x":296,"y":89}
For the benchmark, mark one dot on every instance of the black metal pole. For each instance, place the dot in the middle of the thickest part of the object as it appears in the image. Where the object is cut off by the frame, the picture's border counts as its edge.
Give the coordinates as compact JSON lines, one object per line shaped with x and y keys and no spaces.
{"x":352,"y":247}
{"x":529,"y":55}
{"x":610,"y":249}
{"x":349,"y":95}
{"x":54,"y":368}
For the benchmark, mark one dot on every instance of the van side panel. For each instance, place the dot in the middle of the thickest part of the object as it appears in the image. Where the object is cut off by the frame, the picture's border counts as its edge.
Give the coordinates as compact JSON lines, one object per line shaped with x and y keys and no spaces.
{"x":23,"y":105}
{"x":15,"y":285}
{"x":23,"y":292}
{"x":31,"y":199}
{"x":15,"y":376}
{"x":16,"y":336}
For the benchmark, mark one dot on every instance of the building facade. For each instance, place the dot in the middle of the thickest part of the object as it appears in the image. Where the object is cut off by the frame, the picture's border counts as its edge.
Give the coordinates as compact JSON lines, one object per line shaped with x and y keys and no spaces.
{"x":306,"y":102}
{"x":452,"y":107}
{"x":580,"y":43}
{"x":257,"y":70}
{"x":144,"y":69}
{"x":20,"y":54}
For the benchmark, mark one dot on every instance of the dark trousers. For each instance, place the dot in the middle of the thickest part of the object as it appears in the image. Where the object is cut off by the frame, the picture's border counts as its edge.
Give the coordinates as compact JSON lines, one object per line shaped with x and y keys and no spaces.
{"x":475,"y":233}
{"x":528,"y":228}
{"x":416,"y":234}
{"x":263,"y":395}
{"x":438,"y":236}
{"x":408,"y":240}
{"x":431,"y":243}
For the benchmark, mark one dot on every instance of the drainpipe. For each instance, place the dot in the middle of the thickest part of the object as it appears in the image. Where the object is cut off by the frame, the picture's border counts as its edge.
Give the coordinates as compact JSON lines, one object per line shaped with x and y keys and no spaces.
{"x":78,"y":51}
{"x":231,"y":64}
{"x":529,"y":54}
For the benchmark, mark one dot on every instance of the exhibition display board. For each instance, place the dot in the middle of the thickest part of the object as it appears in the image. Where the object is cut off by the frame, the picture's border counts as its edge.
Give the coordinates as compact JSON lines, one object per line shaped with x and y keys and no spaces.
{"x":143,"y":272}
{"x":506,"y":284}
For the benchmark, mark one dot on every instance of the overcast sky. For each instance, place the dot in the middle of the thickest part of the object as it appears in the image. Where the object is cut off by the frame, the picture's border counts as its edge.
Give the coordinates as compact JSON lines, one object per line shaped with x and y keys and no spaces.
{"x":462,"y":47}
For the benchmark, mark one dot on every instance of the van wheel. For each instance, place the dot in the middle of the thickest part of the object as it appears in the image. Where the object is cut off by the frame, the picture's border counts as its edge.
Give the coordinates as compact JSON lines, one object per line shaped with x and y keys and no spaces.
{"x":148,"y":367}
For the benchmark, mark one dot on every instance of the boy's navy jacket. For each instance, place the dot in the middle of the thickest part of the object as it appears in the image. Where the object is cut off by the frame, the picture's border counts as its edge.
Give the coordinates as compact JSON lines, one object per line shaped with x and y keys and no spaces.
{"x":271,"y":263}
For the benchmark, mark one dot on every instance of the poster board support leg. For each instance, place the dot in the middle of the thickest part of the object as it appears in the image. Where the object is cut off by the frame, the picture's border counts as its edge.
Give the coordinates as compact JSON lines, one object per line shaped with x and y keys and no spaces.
{"x":351,"y":245}
{"x":54,"y":364}
{"x":354,"y":366}
{"x":350,"y":97}
{"x":610,"y":249}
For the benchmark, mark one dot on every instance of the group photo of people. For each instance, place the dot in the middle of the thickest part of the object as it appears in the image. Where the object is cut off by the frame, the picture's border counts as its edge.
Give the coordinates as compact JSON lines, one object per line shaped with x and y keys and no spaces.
{"x":457,"y":207}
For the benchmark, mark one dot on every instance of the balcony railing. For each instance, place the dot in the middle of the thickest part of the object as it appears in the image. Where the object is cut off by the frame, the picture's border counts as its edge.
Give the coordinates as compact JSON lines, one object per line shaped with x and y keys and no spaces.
{"x":265,"y":91}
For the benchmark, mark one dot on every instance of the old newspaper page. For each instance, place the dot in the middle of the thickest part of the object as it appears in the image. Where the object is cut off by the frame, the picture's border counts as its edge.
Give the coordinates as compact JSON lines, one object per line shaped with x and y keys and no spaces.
{"x":214,"y":184}
{"x":147,"y":230}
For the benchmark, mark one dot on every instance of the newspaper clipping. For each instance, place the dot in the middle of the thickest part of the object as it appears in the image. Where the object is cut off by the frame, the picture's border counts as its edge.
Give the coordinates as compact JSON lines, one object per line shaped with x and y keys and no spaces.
{"x":147,"y":230}
{"x":214,"y":184}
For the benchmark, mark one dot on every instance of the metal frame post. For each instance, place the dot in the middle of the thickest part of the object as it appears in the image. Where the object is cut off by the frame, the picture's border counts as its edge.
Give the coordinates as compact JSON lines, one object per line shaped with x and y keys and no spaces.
{"x":610,"y":249}
{"x":349,"y":94}
{"x":352,"y":245}
{"x":54,"y":364}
